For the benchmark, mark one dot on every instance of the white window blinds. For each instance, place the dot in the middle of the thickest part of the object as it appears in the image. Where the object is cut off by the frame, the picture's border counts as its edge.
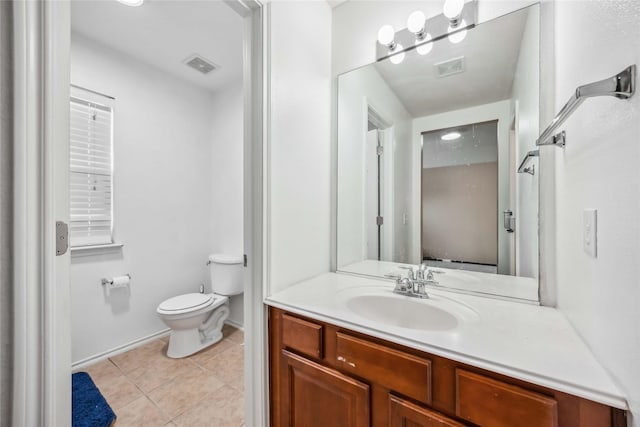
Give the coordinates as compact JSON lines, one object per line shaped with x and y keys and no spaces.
{"x":90,"y":162}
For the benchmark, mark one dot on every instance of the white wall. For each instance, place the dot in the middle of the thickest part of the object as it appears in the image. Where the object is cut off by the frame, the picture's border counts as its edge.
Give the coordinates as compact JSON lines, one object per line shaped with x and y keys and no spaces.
{"x":525,"y":96}
{"x":599,"y":169}
{"x":298,"y":163}
{"x":500,"y":111}
{"x":164,"y":210}
{"x":227,"y":180}
{"x":359,"y":89}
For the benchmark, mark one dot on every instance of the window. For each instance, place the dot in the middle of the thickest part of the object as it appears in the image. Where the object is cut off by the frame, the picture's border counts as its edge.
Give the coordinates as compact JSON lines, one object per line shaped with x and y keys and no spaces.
{"x":91,"y":166}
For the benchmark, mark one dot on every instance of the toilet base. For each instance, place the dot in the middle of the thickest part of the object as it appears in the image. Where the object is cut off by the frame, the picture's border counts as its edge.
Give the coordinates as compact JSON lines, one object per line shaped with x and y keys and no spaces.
{"x":187,"y":342}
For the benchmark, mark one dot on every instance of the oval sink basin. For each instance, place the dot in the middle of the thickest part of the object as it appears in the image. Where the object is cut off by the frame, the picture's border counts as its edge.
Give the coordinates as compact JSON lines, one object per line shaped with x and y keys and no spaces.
{"x":403,"y":312}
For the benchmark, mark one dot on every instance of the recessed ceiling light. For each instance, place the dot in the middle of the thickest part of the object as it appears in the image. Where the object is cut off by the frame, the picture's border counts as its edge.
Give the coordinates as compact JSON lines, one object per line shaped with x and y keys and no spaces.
{"x":133,"y":3}
{"x":451,"y":136}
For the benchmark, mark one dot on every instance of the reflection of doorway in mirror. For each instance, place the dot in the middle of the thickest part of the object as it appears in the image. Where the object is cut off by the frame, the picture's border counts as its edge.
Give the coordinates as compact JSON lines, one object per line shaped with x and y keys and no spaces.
{"x":459,"y":197}
{"x":373,"y":193}
{"x":513,"y":162}
{"x":378,"y":187}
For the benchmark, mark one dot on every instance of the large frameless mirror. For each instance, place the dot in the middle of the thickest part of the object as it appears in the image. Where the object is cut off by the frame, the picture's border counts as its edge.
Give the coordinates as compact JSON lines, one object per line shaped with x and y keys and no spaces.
{"x":428,"y":156}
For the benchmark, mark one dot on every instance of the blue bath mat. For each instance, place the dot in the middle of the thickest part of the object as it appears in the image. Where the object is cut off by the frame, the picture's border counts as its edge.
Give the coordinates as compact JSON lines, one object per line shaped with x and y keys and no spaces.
{"x":88,"y":406}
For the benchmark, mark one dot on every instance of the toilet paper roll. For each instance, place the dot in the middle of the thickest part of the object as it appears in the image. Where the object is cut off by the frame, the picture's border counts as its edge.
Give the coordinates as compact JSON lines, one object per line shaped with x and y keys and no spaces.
{"x":120,"y":281}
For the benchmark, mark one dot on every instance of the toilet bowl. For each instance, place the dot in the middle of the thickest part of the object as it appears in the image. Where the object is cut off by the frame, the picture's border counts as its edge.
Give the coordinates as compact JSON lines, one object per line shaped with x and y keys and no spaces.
{"x":196,"y":319}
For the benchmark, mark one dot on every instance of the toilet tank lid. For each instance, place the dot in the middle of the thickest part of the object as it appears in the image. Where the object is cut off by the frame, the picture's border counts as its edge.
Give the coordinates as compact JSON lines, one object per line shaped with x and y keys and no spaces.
{"x":226,"y":259}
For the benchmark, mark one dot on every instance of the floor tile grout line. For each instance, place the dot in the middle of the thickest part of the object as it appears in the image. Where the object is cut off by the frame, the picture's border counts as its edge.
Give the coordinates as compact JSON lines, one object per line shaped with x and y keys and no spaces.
{"x":231,"y":343}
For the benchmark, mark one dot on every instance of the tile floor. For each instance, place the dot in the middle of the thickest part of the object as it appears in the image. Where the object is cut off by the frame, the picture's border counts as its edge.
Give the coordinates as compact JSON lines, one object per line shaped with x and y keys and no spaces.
{"x":146,"y":388}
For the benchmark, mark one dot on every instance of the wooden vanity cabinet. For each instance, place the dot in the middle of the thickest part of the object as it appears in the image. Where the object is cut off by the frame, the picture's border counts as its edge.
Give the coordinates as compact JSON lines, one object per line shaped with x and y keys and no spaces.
{"x":325,"y":376}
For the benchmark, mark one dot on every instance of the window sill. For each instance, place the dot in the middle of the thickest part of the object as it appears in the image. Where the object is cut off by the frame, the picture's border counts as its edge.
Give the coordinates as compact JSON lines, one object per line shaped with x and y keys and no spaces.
{"x":80,"y":251}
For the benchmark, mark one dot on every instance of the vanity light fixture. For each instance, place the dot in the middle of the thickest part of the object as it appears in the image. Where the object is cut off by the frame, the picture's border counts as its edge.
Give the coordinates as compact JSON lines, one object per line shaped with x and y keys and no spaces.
{"x":424,"y":48}
{"x":457,"y":18}
{"x":452,"y":9}
{"x":451,"y":136}
{"x":132,"y":3}
{"x":416,"y":24}
{"x":457,"y":36}
{"x":398,"y":58}
{"x":386,"y":34}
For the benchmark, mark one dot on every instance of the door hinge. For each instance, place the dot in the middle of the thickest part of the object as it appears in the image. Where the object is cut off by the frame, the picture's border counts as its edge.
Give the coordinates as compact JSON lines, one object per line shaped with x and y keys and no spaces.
{"x":62,"y":238}
{"x":245,"y":260}
{"x":379,"y":150}
{"x":379,"y":220}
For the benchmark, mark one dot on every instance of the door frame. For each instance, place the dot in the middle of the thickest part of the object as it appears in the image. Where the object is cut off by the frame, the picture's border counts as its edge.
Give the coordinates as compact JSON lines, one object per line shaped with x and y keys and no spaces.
{"x":42,"y":338}
{"x":385,"y":129}
{"x":255,"y":54}
{"x":42,"y":374}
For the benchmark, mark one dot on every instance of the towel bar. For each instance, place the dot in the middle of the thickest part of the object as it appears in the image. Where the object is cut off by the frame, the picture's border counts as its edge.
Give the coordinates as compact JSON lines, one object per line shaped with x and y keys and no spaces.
{"x":621,"y":86}
{"x":523,"y":165}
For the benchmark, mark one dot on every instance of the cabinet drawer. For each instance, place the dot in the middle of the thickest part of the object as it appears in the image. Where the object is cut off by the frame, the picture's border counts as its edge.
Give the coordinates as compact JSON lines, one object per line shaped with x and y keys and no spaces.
{"x":382,"y":365}
{"x":404,"y":414}
{"x":302,"y":335}
{"x":489,"y":402}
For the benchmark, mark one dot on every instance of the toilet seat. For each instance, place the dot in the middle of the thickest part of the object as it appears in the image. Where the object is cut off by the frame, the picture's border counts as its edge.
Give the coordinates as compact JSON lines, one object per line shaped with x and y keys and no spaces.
{"x":186,"y":303}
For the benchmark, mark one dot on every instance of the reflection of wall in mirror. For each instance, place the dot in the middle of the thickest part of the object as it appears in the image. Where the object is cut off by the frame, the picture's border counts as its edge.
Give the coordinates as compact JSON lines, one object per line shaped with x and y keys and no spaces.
{"x":356,"y":90}
{"x":459,"y":213}
{"x":459,"y":194}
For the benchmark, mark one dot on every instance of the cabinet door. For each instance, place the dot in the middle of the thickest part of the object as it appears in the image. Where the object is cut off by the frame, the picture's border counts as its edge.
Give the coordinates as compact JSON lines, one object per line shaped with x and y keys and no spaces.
{"x":316,"y":396}
{"x":406,"y":414}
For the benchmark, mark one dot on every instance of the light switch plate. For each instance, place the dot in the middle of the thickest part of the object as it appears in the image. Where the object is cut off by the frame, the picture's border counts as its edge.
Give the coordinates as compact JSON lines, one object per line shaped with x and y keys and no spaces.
{"x":589,"y":232}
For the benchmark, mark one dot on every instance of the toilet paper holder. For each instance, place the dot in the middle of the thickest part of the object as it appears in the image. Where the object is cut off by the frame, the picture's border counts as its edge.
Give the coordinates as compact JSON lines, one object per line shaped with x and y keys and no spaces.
{"x":110,"y":281}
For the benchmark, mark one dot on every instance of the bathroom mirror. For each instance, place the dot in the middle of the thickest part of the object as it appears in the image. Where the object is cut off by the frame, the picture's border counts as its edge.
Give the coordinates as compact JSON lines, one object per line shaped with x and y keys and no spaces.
{"x":428,"y":156}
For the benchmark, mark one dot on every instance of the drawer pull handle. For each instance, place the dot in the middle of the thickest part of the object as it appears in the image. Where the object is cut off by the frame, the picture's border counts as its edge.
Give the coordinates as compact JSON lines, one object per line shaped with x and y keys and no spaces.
{"x":343,"y":360}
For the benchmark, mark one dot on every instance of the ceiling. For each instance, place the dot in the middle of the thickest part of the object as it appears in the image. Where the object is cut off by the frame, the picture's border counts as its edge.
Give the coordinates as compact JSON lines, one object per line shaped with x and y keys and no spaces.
{"x":478,"y":143}
{"x":164,"y":33}
{"x":490,"y":53}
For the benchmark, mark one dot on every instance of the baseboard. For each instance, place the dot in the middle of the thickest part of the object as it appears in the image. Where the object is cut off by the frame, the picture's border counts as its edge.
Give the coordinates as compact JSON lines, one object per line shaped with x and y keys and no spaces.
{"x":118,"y":350}
{"x":234,"y":324}
{"x":131,"y":345}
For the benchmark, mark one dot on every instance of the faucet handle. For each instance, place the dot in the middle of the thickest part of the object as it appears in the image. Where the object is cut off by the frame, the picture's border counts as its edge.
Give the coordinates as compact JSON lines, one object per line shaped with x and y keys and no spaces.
{"x":402,"y":285}
{"x":410,"y":274}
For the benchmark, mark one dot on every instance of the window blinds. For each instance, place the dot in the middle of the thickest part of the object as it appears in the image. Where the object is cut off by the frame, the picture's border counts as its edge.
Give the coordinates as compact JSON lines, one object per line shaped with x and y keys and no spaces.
{"x":90,"y":163}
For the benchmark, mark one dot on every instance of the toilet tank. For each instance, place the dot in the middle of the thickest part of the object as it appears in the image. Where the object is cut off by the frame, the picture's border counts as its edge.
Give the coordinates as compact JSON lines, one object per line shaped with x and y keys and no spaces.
{"x":226,"y":274}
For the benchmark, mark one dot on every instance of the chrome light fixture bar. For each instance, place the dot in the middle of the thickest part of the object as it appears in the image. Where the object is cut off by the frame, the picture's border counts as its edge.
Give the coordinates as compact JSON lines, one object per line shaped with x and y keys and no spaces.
{"x":393,"y":44}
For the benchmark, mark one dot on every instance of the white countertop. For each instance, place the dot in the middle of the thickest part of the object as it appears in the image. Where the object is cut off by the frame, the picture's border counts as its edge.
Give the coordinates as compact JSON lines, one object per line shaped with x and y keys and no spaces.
{"x":502,"y":286}
{"x":532,"y":343}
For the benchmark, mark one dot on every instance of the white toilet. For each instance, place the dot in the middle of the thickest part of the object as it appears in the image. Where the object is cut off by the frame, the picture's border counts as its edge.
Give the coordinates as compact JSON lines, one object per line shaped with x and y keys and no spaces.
{"x":196,"y":319}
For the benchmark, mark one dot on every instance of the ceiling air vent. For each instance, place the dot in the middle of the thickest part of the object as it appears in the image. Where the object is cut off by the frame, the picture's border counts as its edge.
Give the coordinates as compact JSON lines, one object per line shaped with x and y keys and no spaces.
{"x":450,"y":67}
{"x":200,"y":64}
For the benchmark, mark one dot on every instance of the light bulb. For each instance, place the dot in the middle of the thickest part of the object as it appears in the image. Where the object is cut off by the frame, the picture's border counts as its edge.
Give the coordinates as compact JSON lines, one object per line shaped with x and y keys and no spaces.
{"x":396,"y":59}
{"x":458,"y":36}
{"x":133,"y":3}
{"x":451,"y":136}
{"x":386,"y":33}
{"x":452,"y":9}
{"x":416,"y":21}
{"x":424,"y":48}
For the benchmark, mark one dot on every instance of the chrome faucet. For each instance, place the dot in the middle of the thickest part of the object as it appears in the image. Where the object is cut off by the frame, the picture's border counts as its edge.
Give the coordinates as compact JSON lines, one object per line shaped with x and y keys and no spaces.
{"x":415,"y":283}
